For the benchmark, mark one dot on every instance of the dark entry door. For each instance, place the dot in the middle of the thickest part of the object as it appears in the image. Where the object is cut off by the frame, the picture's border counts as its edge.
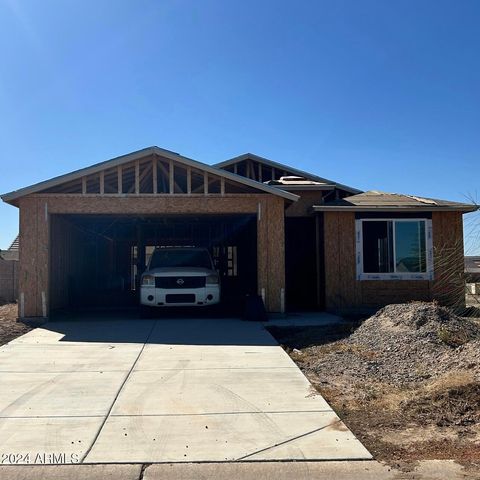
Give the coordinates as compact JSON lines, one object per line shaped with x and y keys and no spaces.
{"x":302,"y":291}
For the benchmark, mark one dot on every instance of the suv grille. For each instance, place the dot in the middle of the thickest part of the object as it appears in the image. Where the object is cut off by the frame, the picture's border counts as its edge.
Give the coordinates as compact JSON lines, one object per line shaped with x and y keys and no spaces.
{"x":179,"y":282}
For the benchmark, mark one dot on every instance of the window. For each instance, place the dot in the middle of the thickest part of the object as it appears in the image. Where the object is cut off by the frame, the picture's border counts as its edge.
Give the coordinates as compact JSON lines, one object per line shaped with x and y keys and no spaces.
{"x":394,"y":249}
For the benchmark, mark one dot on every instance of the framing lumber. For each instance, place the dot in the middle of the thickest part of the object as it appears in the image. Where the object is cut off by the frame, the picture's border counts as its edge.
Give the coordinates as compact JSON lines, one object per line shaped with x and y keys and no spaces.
{"x":119,"y":179}
{"x":154,"y":175}
{"x":137,"y":177}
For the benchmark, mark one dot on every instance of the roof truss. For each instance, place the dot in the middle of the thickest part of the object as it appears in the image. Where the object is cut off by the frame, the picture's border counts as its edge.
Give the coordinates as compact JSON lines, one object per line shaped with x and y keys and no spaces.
{"x":262,"y":169}
{"x":153,"y":171}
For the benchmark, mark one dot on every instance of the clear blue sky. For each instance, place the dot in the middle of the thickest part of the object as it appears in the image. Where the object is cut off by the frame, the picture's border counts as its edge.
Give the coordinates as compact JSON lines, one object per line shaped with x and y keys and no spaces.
{"x":375,"y":94}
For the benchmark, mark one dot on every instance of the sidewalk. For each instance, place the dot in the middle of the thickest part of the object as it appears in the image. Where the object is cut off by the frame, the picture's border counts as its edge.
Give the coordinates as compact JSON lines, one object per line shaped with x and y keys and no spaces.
{"x":346,"y":470}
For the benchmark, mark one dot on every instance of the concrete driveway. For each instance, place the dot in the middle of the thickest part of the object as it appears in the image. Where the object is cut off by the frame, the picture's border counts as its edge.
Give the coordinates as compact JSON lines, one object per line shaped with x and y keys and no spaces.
{"x":150,"y":391}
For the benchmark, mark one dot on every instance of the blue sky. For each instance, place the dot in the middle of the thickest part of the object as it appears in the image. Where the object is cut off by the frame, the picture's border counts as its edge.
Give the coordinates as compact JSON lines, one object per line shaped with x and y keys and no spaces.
{"x":374,"y":94}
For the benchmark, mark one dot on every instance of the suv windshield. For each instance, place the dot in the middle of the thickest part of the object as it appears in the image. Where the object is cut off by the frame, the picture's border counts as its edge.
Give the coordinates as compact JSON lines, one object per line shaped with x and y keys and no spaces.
{"x":180,"y":258}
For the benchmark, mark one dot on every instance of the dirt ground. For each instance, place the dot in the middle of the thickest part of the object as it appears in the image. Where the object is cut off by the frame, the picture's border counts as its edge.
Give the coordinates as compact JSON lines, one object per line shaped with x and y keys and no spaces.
{"x":9,"y":327}
{"x":405,"y":388}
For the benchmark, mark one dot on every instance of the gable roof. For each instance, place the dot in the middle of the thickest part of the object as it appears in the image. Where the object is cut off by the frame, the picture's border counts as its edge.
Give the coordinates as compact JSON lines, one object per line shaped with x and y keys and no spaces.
{"x":13,"y":251}
{"x":375,"y":200}
{"x":15,"y":245}
{"x":123,"y":159}
{"x":281,"y":166}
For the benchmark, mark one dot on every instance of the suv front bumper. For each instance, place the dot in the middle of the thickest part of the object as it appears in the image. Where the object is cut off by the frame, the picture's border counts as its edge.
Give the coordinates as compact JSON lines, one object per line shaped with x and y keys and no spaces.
{"x":167,"y":297}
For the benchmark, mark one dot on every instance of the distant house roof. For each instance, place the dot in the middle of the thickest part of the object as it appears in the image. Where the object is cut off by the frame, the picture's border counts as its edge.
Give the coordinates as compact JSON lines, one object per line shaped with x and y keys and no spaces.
{"x":375,"y":200}
{"x":14,"y":247}
{"x":472,"y":264}
{"x":472,"y":269}
{"x":13,"y":252}
{"x":287,"y":168}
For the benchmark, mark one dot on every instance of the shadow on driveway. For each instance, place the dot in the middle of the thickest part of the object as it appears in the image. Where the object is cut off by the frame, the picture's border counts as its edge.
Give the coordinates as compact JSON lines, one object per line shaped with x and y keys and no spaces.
{"x":122,"y":328}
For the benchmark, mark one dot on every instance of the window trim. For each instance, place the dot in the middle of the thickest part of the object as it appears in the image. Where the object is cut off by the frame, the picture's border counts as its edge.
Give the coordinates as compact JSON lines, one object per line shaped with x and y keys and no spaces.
{"x":361,"y":275}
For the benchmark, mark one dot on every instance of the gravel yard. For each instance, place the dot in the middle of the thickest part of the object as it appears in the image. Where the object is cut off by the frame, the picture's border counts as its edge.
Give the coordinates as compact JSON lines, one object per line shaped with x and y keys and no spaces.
{"x":406,"y":380}
{"x":9,"y":327}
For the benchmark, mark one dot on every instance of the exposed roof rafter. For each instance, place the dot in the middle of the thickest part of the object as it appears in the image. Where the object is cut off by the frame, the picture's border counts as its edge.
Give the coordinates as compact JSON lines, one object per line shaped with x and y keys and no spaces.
{"x":117,"y":161}
{"x":281,"y":166}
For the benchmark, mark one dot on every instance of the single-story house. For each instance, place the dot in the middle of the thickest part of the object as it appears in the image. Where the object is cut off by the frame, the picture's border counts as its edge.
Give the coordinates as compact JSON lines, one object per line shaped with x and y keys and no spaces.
{"x":299,"y":240}
{"x":472,"y":274}
{"x":9,"y":273}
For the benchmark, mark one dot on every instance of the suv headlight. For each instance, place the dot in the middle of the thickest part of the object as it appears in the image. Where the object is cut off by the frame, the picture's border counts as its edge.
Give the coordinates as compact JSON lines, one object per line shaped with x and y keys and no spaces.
{"x":148,"y":281}
{"x":212,"y":279}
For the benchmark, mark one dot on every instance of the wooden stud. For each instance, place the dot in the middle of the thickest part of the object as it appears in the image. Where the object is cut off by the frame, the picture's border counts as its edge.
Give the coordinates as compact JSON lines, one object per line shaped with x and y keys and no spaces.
{"x":205,"y":183}
{"x":166,"y":174}
{"x":189,"y":181}
{"x":119,"y":179}
{"x":142,"y":177}
{"x":102,"y":182}
{"x":253,"y":175}
{"x":137,"y":177}
{"x":235,"y":169}
{"x":222,"y":186}
{"x":260,"y":172}
{"x":84,"y":185}
{"x":154,"y":176}
{"x":171,"y":178}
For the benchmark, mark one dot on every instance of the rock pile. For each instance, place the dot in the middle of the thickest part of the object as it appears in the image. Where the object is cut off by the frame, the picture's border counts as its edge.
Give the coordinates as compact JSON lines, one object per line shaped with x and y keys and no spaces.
{"x":406,"y":344}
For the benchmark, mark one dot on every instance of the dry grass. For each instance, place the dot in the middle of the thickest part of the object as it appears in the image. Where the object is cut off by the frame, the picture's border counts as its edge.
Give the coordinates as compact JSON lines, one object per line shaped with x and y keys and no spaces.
{"x":427,"y":419}
{"x":452,"y":338}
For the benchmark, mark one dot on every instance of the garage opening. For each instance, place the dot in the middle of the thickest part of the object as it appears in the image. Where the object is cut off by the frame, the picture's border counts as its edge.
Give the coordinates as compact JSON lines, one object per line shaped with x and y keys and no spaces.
{"x":97,"y":260}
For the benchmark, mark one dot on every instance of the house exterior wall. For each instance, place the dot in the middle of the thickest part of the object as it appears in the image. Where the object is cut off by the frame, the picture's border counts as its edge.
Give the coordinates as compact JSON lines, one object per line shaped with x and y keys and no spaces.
{"x":36,"y":230}
{"x":344,"y":292}
{"x":8,"y":280}
{"x":302,"y":207}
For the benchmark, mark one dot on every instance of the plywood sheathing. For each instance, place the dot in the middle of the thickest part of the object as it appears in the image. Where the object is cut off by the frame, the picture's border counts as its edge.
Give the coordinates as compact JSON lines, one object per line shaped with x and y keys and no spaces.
{"x":271,"y":252}
{"x":302,"y":207}
{"x":448,"y":254}
{"x":33,"y":269}
{"x":344,"y":292}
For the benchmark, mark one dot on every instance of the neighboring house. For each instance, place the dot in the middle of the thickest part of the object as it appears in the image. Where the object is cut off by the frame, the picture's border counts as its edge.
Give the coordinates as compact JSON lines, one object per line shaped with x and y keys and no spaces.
{"x":472,"y":274}
{"x":8,"y":272}
{"x":299,"y":240}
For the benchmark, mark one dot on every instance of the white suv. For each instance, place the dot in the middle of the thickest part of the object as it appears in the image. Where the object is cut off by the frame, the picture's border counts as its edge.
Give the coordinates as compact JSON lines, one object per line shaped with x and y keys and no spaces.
{"x":182,"y":276}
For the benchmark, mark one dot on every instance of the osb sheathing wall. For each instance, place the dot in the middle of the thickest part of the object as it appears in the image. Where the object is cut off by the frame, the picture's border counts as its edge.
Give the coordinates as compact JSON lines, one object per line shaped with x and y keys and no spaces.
{"x":302,"y":207}
{"x":36,"y":210}
{"x":345,"y":293}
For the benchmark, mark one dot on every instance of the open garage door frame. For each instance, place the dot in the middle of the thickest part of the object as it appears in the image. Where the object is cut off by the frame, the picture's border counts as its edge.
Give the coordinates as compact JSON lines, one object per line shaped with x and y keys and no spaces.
{"x":98,"y":259}
{"x":37,"y":210}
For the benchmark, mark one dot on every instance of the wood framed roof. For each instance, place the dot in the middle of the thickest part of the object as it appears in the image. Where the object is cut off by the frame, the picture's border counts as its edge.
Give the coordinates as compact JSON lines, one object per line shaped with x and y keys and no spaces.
{"x":285,"y":170}
{"x":127,"y":174}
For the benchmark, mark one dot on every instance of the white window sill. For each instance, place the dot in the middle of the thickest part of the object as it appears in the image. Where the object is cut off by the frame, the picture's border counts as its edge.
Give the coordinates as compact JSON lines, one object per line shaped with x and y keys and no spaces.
{"x":395,"y":276}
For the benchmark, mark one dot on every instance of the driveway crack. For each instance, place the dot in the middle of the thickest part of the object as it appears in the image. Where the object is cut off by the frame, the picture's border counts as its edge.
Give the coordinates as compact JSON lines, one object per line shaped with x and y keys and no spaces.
{"x":118,"y":393}
{"x":287,"y":441}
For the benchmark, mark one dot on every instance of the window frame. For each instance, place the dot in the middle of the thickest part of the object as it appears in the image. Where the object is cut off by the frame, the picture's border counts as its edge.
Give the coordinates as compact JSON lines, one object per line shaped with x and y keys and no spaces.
{"x":427,"y":275}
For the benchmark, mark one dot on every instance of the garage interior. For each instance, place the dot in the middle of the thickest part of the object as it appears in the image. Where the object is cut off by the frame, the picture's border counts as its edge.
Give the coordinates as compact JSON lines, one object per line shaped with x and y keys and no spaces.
{"x":97,"y":260}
